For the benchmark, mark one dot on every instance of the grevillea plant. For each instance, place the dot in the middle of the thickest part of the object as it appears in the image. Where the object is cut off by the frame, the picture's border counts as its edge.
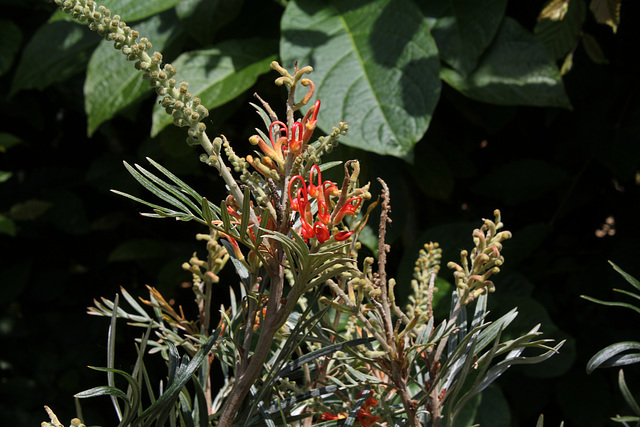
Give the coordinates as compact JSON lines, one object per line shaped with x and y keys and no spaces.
{"x":315,"y":335}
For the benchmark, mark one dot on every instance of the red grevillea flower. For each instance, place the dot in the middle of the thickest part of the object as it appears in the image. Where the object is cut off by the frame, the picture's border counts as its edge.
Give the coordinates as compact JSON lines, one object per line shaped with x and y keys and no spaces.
{"x":349,"y":208}
{"x":322,"y":191}
{"x":284,"y":141}
{"x":364,"y":415}
{"x":297,"y":134}
{"x":342,"y":235}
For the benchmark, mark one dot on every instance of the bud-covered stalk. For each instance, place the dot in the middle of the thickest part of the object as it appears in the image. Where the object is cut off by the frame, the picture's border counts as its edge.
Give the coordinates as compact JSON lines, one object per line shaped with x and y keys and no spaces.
{"x":185,"y":108}
{"x":472,"y":279}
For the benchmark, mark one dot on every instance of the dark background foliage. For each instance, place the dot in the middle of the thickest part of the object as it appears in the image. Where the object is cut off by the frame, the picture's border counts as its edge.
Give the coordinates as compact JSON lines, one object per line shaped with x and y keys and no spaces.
{"x":556,"y":174}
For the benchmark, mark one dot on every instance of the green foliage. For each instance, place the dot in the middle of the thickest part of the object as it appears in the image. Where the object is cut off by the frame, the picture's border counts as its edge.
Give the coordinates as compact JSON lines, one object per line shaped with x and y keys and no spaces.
{"x":621,"y":353}
{"x":60,"y":226}
{"x":385,"y":82}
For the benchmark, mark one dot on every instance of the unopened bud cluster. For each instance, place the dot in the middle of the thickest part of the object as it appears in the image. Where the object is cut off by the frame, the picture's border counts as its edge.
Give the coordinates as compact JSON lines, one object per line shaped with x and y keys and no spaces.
{"x":472,"y":279}
{"x":185,"y":109}
{"x":424,"y":273}
{"x":207,"y":271}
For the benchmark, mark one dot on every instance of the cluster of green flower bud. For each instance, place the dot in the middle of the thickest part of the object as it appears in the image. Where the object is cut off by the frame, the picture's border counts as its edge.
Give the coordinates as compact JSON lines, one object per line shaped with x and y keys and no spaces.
{"x":425,"y":271}
{"x":292,"y":80}
{"x":472,"y":280}
{"x":185,"y":108}
{"x":326,"y":144}
{"x":207,"y":271}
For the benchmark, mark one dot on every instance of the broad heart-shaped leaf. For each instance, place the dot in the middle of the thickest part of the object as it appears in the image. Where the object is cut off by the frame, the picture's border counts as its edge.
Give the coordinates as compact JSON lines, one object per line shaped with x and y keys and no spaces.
{"x":375,"y":65}
{"x":560,"y":36}
{"x":112,"y":82}
{"x":463,"y":29}
{"x":9,"y":44}
{"x":220,"y":74}
{"x":135,"y":10}
{"x":515,"y":70}
{"x":56,"y":51}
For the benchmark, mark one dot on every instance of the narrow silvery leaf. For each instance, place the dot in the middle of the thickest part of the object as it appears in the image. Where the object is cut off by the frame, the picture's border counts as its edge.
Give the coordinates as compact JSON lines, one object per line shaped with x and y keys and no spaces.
{"x":610,"y":355}
{"x":628,"y":396}
{"x":629,"y":278}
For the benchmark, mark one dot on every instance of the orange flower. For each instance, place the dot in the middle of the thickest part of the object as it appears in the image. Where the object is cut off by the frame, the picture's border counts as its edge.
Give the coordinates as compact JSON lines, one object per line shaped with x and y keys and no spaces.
{"x":364,"y":416}
{"x":322,"y":192}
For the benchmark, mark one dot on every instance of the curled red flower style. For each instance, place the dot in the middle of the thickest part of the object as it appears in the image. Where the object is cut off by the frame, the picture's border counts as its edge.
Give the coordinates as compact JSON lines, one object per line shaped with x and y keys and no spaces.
{"x":322,"y":191}
{"x":283,"y":141}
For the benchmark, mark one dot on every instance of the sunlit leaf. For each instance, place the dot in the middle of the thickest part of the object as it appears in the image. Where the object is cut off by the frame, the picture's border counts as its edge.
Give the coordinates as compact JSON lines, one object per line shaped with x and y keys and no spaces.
{"x":463,"y":29}
{"x":613,"y":355}
{"x":102,"y":391}
{"x":555,"y":10}
{"x":375,"y":65}
{"x":559,"y":36}
{"x":55,"y":52}
{"x":134,"y":400}
{"x":606,"y":12}
{"x":135,"y":10}
{"x":515,"y":70}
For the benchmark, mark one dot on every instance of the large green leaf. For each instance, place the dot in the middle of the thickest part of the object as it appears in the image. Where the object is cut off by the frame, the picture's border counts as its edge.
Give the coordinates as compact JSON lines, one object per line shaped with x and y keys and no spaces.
{"x":135,"y":10}
{"x":112,"y":82}
{"x":202,"y":19}
{"x":515,"y":70}
{"x":7,"y":226}
{"x":219,"y":74}
{"x":559,"y":36}
{"x":56,"y":51}
{"x":463,"y":29}
{"x":375,"y":65}
{"x":9,"y":44}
